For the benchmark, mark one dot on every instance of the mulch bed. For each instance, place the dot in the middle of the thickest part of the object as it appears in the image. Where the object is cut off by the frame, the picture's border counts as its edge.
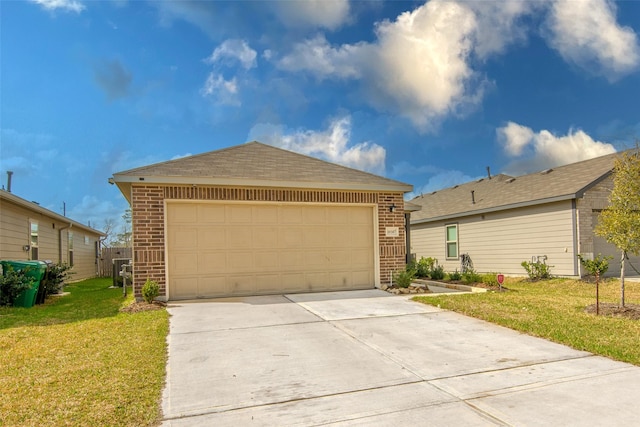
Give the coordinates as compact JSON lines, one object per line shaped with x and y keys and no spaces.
{"x":629,"y":311}
{"x":137,"y":307}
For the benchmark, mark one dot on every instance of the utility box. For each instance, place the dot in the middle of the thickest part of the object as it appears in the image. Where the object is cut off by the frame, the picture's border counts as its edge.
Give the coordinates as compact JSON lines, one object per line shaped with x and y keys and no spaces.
{"x":117,"y":268}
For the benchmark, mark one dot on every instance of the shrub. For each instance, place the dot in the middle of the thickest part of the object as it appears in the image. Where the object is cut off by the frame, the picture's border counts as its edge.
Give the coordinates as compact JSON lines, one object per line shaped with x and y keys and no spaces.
{"x":425,"y":267}
{"x":595,"y":267}
{"x":456,"y":275}
{"x":150,"y":290}
{"x":471,"y":277}
{"x":537,"y":270}
{"x":437,"y":273}
{"x":55,"y":277}
{"x":490,"y":279}
{"x":404,"y":278}
{"x":12,"y":283}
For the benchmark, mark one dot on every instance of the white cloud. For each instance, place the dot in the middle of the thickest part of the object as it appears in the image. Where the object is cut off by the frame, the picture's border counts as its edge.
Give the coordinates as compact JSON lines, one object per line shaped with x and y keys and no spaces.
{"x":221,"y":90}
{"x":66,"y":5}
{"x":329,"y":14}
{"x":234,"y":50}
{"x":587,"y":34}
{"x":515,"y":138}
{"x":332,"y":144}
{"x":322,"y":60}
{"x":544,"y":150}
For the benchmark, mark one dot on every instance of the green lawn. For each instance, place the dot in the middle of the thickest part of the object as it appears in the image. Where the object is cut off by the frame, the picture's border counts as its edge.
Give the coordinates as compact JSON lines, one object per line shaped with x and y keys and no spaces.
{"x":77,"y":360}
{"x":554,"y":309}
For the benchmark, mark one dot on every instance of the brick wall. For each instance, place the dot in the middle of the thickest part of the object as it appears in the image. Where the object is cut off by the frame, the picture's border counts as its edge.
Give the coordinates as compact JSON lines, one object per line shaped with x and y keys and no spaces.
{"x":594,"y":200}
{"x":148,"y":221}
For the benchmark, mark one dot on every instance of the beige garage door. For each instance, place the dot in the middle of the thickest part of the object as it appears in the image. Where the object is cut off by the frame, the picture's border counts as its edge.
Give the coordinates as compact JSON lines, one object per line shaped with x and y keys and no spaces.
{"x":227,"y":249}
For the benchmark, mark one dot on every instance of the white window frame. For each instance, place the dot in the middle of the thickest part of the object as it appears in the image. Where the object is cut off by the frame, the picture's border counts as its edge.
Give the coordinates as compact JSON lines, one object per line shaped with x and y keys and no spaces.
{"x":448,"y":242}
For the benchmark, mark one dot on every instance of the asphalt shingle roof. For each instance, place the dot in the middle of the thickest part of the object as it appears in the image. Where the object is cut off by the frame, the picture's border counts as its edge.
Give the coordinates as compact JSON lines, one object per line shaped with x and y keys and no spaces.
{"x":504,"y":191}
{"x":258,"y":163}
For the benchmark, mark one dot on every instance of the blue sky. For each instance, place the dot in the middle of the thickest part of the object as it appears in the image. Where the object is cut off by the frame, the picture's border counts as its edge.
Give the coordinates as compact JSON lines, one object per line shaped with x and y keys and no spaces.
{"x":426,"y":93}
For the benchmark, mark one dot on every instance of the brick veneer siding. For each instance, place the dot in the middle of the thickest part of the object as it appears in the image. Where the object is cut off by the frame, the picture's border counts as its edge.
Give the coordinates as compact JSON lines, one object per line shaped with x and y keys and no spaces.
{"x":148,"y":221}
{"x":595,"y":199}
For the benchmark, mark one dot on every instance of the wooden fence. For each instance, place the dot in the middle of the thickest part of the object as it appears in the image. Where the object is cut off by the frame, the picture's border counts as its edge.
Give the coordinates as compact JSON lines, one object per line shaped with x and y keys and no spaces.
{"x":108,"y":255}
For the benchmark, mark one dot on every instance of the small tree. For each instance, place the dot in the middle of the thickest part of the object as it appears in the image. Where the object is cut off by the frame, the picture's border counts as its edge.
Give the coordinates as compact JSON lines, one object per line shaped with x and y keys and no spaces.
{"x":620,"y":222}
{"x":596,"y":267}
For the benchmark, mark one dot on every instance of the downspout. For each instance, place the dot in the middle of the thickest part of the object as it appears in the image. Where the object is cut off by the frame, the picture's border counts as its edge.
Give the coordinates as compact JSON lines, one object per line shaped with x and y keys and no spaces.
{"x":407,"y":230}
{"x":60,"y":230}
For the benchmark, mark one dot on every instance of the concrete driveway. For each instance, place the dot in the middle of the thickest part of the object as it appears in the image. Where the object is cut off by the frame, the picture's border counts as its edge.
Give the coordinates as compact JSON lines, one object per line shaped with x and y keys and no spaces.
{"x":369,"y":358}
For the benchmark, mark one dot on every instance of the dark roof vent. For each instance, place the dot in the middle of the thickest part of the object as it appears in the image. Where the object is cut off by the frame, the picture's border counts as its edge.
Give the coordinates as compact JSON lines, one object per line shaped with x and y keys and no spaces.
{"x":480,"y":180}
{"x":546,"y":171}
{"x":510,"y":180}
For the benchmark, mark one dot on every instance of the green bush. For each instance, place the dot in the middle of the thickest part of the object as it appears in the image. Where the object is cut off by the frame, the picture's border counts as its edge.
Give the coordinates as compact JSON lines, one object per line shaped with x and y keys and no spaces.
{"x":595,"y":267}
{"x":456,"y":275}
{"x":471,"y":277}
{"x":12,"y":283}
{"x":55,"y":277}
{"x":490,"y":279}
{"x":537,"y":270}
{"x":424,"y":267}
{"x":437,"y":273}
{"x":404,"y":278}
{"x":150,"y":290}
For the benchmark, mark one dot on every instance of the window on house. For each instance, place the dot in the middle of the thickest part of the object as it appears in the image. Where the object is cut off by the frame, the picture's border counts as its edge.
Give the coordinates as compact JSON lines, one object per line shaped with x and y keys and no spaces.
{"x":71,"y":248}
{"x":33,"y":239}
{"x":451,"y":241}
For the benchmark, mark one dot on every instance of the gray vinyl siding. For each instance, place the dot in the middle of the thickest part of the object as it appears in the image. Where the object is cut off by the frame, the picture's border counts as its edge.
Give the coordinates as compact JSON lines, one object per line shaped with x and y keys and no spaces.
{"x":500,"y":241}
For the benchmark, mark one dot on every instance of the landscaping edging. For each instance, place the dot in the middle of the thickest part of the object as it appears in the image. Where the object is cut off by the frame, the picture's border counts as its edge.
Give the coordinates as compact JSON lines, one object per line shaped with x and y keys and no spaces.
{"x":456,"y":286}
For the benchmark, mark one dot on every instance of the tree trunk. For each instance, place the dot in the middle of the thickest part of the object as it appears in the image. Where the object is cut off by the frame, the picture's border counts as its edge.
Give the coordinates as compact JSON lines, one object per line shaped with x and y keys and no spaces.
{"x":624,"y":255}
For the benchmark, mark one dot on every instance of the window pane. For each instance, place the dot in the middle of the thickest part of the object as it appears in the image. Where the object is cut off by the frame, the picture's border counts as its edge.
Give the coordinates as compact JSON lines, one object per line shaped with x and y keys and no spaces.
{"x":452,"y":250}
{"x":34,"y":234}
{"x":452,"y":233}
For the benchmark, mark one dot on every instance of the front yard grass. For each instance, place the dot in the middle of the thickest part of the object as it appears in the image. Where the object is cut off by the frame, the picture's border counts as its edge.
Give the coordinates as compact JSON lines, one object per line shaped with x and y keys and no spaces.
{"x":78,"y":360}
{"x":555,"y":310}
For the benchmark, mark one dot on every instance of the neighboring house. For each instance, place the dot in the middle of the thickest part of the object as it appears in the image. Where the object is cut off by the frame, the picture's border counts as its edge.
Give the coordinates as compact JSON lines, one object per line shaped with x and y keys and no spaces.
{"x":501,"y":221}
{"x":30,"y":232}
{"x":255,"y":219}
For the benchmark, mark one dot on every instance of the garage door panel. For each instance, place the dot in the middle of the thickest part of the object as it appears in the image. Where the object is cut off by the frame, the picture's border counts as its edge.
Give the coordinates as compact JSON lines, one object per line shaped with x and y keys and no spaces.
{"x":361,"y":278}
{"x":183,"y":263}
{"x":225,"y":249}
{"x":212,"y":238}
{"x":183,"y":214}
{"x":266,"y":215}
{"x":266,"y":261}
{"x":290,"y":215}
{"x":211,"y":286}
{"x":211,"y":214}
{"x":184,"y":288}
{"x":183,"y":238}
{"x":212,"y":262}
{"x":338,"y":237}
{"x":314,"y":236}
{"x":265,"y":237}
{"x":239,"y":262}
{"x":241,"y":284}
{"x":239,"y":237}
{"x":314,"y":215}
{"x":239,"y":214}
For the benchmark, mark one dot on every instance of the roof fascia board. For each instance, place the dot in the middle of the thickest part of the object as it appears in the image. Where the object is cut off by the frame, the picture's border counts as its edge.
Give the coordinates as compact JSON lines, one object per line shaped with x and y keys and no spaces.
{"x":593,"y":183}
{"x":43,"y":211}
{"x":495,"y":209}
{"x":180,"y":180}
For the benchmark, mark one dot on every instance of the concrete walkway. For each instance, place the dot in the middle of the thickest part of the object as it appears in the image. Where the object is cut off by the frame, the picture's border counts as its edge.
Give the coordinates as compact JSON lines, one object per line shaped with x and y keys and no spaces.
{"x":369,"y":358}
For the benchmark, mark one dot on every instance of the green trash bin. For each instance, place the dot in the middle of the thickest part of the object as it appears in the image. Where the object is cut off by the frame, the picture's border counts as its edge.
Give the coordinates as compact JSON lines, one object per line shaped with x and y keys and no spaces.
{"x":36,"y":270}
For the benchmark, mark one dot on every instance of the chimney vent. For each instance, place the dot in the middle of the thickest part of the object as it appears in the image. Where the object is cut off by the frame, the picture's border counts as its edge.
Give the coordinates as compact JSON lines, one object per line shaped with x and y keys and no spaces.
{"x":473,"y":197}
{"x":9,"y":173}
{"x":489,"y":171}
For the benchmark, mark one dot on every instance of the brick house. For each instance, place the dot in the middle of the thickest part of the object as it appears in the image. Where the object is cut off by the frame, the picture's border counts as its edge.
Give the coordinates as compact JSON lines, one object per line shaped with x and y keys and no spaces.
{"x":254,"y":219}
{"x":500,"y":221}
